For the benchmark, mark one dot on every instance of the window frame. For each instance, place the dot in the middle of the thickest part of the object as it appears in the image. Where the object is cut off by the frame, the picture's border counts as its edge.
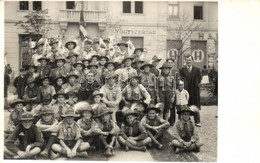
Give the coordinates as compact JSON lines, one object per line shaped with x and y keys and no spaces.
{"x":33,"y":5}
{"x":66,"y":6}
{"x":173,"y":17}
{"x":135,"y":7}
{"x":123,"y":7}
{"x":132,"y":8}
{"x":28,"y":6}
{"x":202,"y":10}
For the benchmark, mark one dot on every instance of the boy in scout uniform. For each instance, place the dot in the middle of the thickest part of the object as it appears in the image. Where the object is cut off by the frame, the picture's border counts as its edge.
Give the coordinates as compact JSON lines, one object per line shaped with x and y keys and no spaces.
{"x":60,"y":69}
{"x":155,"y":61}
{"x":44,"y":69}
{"x":60,"y":107}
{"x":30,"y":145}
{"x":88,"y":51}
{"x":54,"y":52}
{"x":69,"y":137}
{"x":31,"y":94}
{"x":70,"y":47}
{"x":185,"y":137}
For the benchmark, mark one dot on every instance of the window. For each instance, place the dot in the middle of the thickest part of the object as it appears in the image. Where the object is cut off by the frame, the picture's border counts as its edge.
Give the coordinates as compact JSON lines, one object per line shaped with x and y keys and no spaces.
{"x":24,"y":5}
{"x":126,"y":7}
{"x":37,"y":5}
{"x":70,"y":5}
{"x":198,"y":12}
{"x":173,"y":10}
{"x":138,"y":7}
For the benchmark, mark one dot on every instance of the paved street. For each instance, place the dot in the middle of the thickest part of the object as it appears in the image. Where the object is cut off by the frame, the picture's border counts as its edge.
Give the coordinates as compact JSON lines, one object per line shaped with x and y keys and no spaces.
{"x":207,"y":133}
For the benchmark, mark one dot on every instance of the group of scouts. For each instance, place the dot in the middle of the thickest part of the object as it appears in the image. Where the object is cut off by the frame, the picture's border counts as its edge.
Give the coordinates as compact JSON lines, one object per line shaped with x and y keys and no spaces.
{"x":74,"y":101}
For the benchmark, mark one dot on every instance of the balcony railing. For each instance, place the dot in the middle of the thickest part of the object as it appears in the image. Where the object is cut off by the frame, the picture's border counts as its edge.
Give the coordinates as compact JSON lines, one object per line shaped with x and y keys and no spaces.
{"x":89,"y":16}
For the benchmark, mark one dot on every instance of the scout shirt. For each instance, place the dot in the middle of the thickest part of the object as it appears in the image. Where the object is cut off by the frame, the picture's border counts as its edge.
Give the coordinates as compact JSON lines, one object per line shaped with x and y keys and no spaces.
{"x":42,"y":125}
{"x":148,"y":80}
{"x":54,"y":53}
{"x":44,"y":71}
{"x":182,"y":97}
{"x":32,"y":137}
{"x":155,"y":71}
{"x":166,"y":82}
{"x":185,"y":131}
{"x":59,"y":109}
{"x":133,"y":130}
{"x":59,"y":71}
{"x":157,"y":121}
{"x":124,"y":73}
{"x":109,"y":126}
{"x":89,"y":125}
{"x":46,"y":94}
{"x":71,"y":91}
{"x":111,"y":93}
{"x":69,"y":132}
{"x":87,"y":54}
{"x":136,"y":94}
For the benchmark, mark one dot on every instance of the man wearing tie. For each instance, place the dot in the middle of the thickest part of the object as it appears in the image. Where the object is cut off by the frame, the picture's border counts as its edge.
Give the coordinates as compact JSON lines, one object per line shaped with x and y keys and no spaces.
{"x":192,"y":78}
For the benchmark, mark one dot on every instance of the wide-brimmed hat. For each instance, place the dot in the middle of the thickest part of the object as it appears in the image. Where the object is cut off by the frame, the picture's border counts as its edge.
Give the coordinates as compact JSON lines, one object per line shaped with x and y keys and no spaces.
{"x":87,"y":40}
{"x":126,"y":58}
{"x":130,"y":112}
{"x":122,"y":43}
{"x":91,"y":64}
{"x":78,"y":63}
{"x":95,"y":40}
{"x":26,"y":116}
{"x":111,"y":75}
{"x":46,"y":110}
{"x":72,"y":74}
{"x":131,"y":76}
{"x":106,"y":39}
{"x":109,"y":62}
{"x":185,"y":109}
{"x":97,"y":56}
{"x":61,"y":77}
{"x":31,"y":80}
{"x":43,"y":58}
{"x":82,"y":106}
{"x":30,"y":65}
{"x":72,"y":54}
{"x":70,"y":113}
{"x":152,"y":108}
{"x":155,"y":58}
{"x":53,"y":41}
{"x":107,"y":59}
{"x":97,"y":92}
{"x":73,"y":42}
{"x":166,"y":65}
{"x":55,"y":96}
{"x":60,"y":58}
{"x":146,"y":64}
{"x":85,"y":59}
{"x":137,"y":61}
{"x":17,"y":101}
{"x":138,"y":48}
{"x":104,"y":110}
{"x":46,"y":77}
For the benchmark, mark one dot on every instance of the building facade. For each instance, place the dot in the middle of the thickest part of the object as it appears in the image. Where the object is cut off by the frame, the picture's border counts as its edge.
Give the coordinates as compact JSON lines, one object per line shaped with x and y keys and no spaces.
{"x":163,"y":28}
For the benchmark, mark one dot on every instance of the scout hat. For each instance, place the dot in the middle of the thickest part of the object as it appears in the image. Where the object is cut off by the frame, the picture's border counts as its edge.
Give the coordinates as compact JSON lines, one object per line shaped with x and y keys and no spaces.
{"x":96,"y":40}
{"x":107,"y":59}
{"x":97,"y":92}
{"x":46,"y":77}
{"x":104,"y":110}
{"x":122,"y":43}
{"x":60,"y":58}
{"x":111,"y":75}
{"x":138,"y":48}
{"x":85,"y":59}
{"x":131,"y":76}
{"x":134,"y":105}
{"x":55,"y":96}
{"x":82,"y":106}
{"x":166,"y":65}
{"x":78,"y":63}
{"x":126,"y":58}
{"x":152,"y":108}
{"x":137,"y":61}
{"x":91,"y":64}
{"x":185,"y":109}
{"x":17,"y":101}
{"x":43,"y":58}
{"x":22,"y":69}
{"x":106,"y":39}
{"x":70,"y":113}
{"x":73,"y":42}
{"x":31,"y":65}
{"x":53,"y":41}
{"x":72,"y":74}
{"x":46,"y":110}
{"x":180,"y":82}
{"x":129,"y":112}
{"x":109,"y":62}
{"x":155,"y":58}
{"x":170,"y":59}
{"x":97,"y":56}
{"x":146,"y":64}
{"x":26,"y":116}
{"x":31,"y":80}
{"x":61,"y":77}
{"x":72,"y":54}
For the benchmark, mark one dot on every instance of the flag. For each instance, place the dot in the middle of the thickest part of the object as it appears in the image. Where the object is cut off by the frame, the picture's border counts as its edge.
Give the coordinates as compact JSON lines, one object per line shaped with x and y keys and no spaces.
{"x":82,"y":26}
{"x":102,"y":44}
{"x":60,"y":45}
{"x":131,"y":47}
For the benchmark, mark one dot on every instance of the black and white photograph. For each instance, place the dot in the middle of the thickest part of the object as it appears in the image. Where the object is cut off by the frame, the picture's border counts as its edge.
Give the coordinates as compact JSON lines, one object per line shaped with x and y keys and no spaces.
{"x":111,"y":80}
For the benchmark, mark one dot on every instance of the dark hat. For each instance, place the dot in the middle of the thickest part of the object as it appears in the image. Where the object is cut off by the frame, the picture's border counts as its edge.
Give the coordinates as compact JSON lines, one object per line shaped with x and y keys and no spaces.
{"x":146,"y":64}
{"x":170,"y":59}
{"x":122,"y":43}
{"x":137,"y":61}
{"x":82,"y":106}
{"x":109,"y":62}
{"x":61,"y":77}
{"x":85,"y":59}
{"x":87,"y":40}
{"x":78,"y":63}
{"x":73,"y":42}
{"x":90,"y":65}
{"x":97,"y":56}
{"x":60,"y":93}
{"x":72,"y":54}
{"x":53,"y":41}
{"x":43,"y":58}
{"x":60,"y":58}
{"x":155,"y":58}
{"x":107,"y":59}
{"x":152,"y":108}
{"x":31,"y":65}
{"x":46,"y":110}
{"x":104,"y":110}
{"x":106,"y":39}
{"x":166,"y":65}
{"x":31,"y":80}
{"x":111,"y":75}
{"x":17,"y":101}
{"x":95,"y":40}
{"x":138,"y":48}
{"x":26,"y":116}
{"x":22,"y":69}
{"x":70,"y":113}
{"x":185,"y":109}
{"x":97,"y":92}
{"x":46,"y":77}
{"x":130,"y":112}
{"x":131,"y":76}
{"x":72,"y":74}
{"x":126,"y":58}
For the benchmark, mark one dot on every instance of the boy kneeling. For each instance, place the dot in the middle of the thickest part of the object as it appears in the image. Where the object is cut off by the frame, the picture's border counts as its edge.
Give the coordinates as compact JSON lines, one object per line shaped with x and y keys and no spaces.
{"x":32,"y":141}
{"x":70,"y":140}
{"x":185,"y":137}
{"x":133,"y":135}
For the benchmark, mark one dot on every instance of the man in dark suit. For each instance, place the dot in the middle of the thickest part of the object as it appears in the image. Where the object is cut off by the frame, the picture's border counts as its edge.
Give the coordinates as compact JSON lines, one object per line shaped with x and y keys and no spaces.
{"x":192,"y":78}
